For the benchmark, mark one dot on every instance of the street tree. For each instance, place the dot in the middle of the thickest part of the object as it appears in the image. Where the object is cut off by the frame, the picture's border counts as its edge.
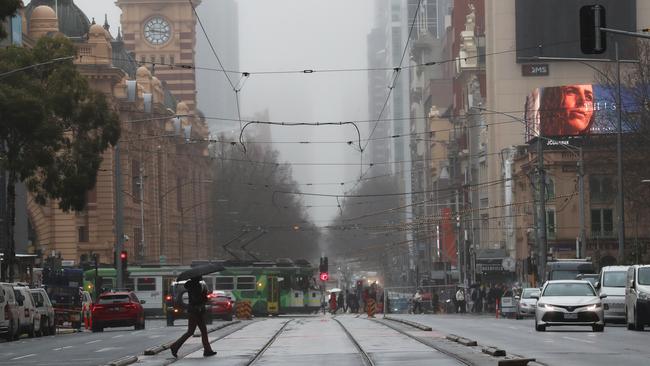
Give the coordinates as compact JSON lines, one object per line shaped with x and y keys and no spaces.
{"x":54,"y":128}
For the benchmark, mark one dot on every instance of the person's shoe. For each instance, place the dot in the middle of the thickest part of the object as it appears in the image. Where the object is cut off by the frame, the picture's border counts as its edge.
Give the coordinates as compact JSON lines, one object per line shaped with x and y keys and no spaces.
{"x":209,"y":353}
{"x":174,"y":352}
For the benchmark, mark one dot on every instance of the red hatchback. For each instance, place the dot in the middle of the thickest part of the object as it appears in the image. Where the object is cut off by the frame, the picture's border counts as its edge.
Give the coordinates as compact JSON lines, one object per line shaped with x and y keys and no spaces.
{"x":222,"y":306}
{"x":117,"y":309}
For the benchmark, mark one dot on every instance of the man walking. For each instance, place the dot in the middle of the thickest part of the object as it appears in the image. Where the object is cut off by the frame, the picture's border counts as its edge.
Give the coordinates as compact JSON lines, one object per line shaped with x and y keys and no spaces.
{"x":197,"y":294}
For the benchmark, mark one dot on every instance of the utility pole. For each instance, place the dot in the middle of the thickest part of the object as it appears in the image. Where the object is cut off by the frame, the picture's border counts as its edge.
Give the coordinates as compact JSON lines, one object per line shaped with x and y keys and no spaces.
{"x":141,"y":180}
{"x":460,"y":242}
{"x":541,"y":216}
{"x":581,"y":188}
{"x":119,"y":218}
{"x":619,"y":160}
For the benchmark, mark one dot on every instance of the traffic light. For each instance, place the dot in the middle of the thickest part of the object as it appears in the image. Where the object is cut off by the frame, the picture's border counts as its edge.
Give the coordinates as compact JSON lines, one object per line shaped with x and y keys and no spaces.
{"x":124,"y":258}
{"x":592,"y":39}
{"x":323,"y":268}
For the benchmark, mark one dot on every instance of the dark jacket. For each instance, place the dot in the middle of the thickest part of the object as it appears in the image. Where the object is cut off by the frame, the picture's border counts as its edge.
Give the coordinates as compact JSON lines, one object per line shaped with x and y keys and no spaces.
{"x":197,"y":295}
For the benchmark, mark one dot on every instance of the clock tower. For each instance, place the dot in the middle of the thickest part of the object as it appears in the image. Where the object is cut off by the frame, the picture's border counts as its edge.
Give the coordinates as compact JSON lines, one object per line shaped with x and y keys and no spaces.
{"x":162,"y":34}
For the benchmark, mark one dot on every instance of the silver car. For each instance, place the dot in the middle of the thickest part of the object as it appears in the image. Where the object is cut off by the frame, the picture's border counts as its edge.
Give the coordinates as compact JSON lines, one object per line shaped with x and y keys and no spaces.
{"x":527,"y":302}
{"x":569,"y":302}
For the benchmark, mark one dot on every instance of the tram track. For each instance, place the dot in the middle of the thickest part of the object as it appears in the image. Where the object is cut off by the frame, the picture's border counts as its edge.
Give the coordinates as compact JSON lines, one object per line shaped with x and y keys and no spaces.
{"x":458,"y":358}
{"x":367,"y":361}
{"x":268,"y":344}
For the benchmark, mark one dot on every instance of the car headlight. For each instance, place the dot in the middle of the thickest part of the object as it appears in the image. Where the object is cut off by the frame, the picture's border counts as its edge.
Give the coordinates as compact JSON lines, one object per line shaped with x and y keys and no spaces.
{"x":644,"y":296}
{"x":545,"y":306}
{"x":593,"y":307}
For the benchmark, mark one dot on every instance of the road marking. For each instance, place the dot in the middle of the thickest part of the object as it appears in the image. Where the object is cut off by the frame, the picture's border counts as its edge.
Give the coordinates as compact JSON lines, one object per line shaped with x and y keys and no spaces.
{"x":118,"y":336}
{"x":107,"y":349}
{"x":21,"y":357}
{"x":95,"y":341}
{"x":579,"y":340}
{"x":60,"y":348}
{"x":155,"y":336}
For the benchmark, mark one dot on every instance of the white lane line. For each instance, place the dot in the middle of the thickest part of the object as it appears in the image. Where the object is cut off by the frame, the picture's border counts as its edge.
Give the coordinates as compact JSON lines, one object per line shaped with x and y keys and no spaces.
{"x":155,"y":336}
{"x":118,"y":336}
{"x":579,"y":340}
{"x":107,"y":349}
{"x":95,"y":341}
{"x":25,"y":356}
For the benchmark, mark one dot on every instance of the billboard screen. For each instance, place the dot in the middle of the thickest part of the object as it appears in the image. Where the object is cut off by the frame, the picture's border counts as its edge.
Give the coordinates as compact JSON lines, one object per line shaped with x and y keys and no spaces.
{"x":551,"y":28}
{"x":574,"y":110}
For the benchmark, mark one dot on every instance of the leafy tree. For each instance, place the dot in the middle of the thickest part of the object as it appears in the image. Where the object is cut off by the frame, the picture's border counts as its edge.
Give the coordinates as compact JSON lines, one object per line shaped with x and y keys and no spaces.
{"x":54,"y":127}
{"x":247,"y":205}
{"x":8,"y":8}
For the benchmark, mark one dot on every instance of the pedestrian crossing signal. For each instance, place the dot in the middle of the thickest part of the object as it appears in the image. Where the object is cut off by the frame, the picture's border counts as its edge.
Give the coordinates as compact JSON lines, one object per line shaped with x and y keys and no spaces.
{"x":324,"y":276}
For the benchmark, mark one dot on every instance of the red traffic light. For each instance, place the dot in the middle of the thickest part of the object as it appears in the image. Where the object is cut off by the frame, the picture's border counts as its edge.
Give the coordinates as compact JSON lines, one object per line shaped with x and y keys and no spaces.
{"x":324,"y":276}
{"x":123,"y":255}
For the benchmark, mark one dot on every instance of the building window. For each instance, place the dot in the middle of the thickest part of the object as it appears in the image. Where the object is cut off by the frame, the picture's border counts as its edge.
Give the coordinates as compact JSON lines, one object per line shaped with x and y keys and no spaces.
{"x":602,"y":222}
{"x":143,"y":60}
{"x":179,"y":194}
{"x":162,"y":59}
{"x":601,"y":188}
{"x":550,"y":188}
{"x":83,"y":234}
{"x":135,"y":181}
{"x":550,"y":223}
{"x":171,"y":59}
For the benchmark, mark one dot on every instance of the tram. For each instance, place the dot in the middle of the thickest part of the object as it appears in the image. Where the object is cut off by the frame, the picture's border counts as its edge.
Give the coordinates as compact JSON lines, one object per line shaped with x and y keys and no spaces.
{"x":273,"y":288}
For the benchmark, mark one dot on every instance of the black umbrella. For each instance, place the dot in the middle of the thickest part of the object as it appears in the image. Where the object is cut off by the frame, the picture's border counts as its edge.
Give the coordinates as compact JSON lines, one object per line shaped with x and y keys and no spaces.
{"x":200,"y":271}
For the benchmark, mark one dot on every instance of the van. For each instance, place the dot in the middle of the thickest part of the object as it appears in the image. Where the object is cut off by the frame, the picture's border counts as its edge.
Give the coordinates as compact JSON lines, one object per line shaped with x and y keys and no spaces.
{"x":611,"y":282}
{"x":26,"y":311}
{"x":8,"y":312}
{"x":637,"y":297}
{"x":44,"y":312}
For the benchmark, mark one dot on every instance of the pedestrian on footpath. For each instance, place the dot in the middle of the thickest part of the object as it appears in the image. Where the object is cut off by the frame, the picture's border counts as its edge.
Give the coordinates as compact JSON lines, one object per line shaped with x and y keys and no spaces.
{"x":197,"y":293}
{"x":340,"y":302}
{"x":333,"y":307}
{"x":460,"y":300}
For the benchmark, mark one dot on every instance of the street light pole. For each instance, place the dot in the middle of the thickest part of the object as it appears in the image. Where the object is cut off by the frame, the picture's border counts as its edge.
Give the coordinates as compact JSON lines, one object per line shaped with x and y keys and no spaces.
{"x":619,"y":161}
{"x":541,"y":216}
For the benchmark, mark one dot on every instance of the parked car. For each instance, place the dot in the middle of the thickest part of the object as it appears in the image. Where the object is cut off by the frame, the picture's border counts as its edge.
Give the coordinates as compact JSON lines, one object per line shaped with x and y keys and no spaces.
{"x":8,"y":312}
{"x":611,"y":282}
{"x":569,"y":302}
{"x":27,"y":317}
{"x":117,"y":309}
{"x":637,"y":297}
{"x":177,"y":302}
{"x":526,"y":303}
{"x":44,"y":312}
{"x":221,"y":305}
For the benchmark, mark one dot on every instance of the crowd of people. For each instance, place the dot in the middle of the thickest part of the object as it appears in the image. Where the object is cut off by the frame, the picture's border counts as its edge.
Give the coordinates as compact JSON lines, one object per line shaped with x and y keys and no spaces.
{"x":354,"y":301}
{"x":478,"y":298}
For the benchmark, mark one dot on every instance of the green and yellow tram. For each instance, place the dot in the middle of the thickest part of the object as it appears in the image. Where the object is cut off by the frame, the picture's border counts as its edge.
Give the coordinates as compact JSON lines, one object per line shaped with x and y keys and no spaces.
{"x":271,"y":287}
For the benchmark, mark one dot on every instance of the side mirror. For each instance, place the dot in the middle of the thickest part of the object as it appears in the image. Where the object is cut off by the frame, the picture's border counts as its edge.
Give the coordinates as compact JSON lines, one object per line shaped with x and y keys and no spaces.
{"x":603,"y":296}
{"x":142,"y":301}
{"x":597,"y":284}
{"x":517,"y":297}
{"x":632,"y":284}
{"x":535,"y":296}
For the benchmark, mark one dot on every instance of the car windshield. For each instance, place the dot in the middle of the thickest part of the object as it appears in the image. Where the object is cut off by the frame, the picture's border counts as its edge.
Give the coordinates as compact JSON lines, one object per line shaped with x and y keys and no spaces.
{"x":528,"y":293}
{"x":569,"y":289}
{"x":644,"y":276}
{"x":113,"y":299}
{"x":614,"y":279}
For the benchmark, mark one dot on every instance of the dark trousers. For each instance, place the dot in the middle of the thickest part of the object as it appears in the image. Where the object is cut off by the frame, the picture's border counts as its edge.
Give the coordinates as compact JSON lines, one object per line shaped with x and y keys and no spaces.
{"x":194,"y":319}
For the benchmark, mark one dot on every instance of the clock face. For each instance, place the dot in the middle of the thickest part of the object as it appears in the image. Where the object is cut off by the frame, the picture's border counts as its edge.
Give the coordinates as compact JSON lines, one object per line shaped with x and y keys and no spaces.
{"x":157,"y":31}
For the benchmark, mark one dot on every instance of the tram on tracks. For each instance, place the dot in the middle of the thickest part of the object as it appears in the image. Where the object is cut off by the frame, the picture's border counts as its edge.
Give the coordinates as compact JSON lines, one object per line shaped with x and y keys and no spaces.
{"x":272,"y":287}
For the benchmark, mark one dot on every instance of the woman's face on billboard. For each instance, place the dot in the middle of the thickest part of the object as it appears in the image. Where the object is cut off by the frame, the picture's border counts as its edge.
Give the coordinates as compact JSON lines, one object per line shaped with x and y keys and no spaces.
{"x":578,"y":104}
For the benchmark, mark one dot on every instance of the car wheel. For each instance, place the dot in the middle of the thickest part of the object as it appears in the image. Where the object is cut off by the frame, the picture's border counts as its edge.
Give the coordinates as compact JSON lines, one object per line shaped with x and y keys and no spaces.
{"x":228,"y":318}
{"x":598,"y":328}
{"x":31,"y":332}
{"x":53,"y":329}
{"x":638,"y":324}
{"x":539,"y":327}
{"x":96,"y":328}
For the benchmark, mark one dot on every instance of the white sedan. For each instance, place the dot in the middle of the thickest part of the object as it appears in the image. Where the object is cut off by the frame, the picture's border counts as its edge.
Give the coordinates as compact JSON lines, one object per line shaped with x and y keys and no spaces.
{"x":569,"y":302}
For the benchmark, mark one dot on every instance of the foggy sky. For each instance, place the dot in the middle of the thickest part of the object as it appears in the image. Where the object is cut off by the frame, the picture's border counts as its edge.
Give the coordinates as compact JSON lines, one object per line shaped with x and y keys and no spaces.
{"x":296,"y":35}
